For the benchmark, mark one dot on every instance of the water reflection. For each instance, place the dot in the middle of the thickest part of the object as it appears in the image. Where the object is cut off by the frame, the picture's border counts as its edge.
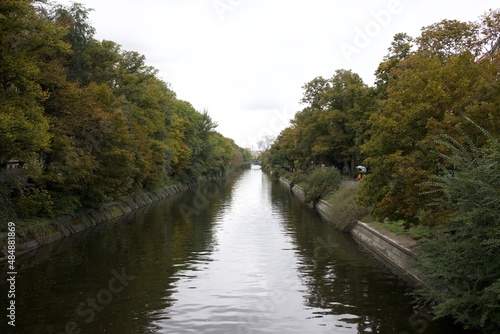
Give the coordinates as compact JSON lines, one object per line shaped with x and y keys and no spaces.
{"x":235,"y":256}
{"x":342,"y":279}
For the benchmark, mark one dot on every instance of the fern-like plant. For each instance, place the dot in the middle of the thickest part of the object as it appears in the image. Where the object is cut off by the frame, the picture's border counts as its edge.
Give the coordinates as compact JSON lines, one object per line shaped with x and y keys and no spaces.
{"x":461,"y":265}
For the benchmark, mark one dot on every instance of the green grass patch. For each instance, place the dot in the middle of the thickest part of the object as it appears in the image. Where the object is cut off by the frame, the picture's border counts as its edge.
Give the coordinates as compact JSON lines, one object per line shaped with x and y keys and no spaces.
{"x":415,"y":232}
{"x":303,"y":185}
{"x":28,"y":229}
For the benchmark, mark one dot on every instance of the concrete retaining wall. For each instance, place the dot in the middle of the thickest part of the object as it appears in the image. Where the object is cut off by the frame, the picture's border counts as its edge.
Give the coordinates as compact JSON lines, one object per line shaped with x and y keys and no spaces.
{"x":67,"y":225}
{"x":398,"y":258}
{"x":324,"y":210}
{"x":395,"y":256}
{"x":296,"y":190}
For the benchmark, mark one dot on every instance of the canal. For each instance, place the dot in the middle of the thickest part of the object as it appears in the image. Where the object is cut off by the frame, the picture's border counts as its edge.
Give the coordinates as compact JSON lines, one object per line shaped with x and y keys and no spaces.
{"x":239,"y":255}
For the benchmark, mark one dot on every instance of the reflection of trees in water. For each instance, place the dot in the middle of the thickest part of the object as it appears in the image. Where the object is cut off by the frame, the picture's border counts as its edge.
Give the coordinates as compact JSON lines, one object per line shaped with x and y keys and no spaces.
{"x":343,"y":280}
{"x":154,"y":244}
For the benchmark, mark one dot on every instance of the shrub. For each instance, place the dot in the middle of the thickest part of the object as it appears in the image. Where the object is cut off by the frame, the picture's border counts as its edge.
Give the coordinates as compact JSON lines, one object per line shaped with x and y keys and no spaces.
{"x":278,"y":171}
{"x":6,"y":211}
{"x":297,"y":177}
{"x":461,"y":267}
{"x":344,"y":209}
{"x":321,"y":182}
{"x":38,"y":203}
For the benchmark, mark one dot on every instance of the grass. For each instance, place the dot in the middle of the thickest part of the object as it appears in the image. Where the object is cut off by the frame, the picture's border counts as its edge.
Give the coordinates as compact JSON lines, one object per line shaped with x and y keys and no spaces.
{"x":344,"y":210}
{"x":416,"y":232}
{"x":28,"y":229}
{"x":303,"y":185}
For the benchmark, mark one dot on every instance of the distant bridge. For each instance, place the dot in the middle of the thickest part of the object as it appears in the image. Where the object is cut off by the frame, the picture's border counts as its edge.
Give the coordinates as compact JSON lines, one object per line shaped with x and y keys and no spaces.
{"x":253,"y":162}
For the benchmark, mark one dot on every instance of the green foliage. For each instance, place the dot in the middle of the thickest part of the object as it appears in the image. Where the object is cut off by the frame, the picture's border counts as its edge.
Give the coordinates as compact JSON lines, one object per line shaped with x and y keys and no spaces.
{"x":36,"y":203}
{"x":426,"y":93}
{"x":25,"y":41}
{"x":330,"y":129}
{"x":278,"y":171}
{"x":400,"y":227}
{"x":461,"y":265}
{"x":95,"y":120}
{"x":297,"y":177}
{"x":79,"y":35}
{"x":399,"y":50}
{"x":7,"y":212}
{"x":344,"y":209}
{"x":320,"y":183}
{"x":246,"y":154}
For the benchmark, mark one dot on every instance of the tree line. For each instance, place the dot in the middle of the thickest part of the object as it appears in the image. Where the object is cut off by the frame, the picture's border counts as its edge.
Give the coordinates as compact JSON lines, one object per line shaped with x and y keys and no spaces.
{"x":83,"y":121}
{"x":425,"y":87}
{"x":428,"y":132}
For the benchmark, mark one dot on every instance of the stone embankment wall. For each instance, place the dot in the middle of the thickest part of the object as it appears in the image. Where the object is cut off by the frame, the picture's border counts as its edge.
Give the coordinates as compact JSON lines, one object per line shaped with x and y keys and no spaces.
{"x":398,"y":258}
{"x":67,"y":225}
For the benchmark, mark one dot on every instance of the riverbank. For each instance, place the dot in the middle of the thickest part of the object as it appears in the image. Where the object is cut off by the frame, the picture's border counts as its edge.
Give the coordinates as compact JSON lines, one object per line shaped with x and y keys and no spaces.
{"x":45,"y":231}
{"x":395,"y":251}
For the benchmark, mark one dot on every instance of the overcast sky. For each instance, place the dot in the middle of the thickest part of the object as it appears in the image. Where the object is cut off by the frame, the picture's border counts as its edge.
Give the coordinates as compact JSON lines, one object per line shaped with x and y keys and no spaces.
{"x":245,"y":61}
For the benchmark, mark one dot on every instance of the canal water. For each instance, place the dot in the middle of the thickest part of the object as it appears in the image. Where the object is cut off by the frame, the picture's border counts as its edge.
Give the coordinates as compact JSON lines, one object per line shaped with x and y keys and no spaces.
{"x":240,"y":255}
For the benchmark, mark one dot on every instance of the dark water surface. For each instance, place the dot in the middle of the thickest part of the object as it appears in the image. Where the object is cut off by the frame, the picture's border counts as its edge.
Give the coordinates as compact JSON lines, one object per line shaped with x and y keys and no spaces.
{"x":240,"y":255}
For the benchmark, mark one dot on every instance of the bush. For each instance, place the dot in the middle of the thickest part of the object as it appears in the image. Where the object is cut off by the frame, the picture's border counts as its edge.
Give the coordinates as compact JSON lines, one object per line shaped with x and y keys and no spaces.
{"x":321,"y":182}
{"x":461,"y":267}
{"x":6,"y":211}
{"x":297,"y":177}
{"x":38,"y":203}
{"x":278,"y":171}
{"x":345,"y":212}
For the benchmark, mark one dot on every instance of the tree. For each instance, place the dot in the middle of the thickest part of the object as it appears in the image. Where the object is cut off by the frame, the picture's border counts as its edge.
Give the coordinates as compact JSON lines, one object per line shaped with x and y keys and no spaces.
{"x":89,"y":162}
{"x":25,"y":41}
{"x":430,"y":93}
{"x":330,"y":128}
{"x":313,"y":92}
{"x":490,"y":31}
{"x":92,"y":122}
{"x":461,"y":265}
{"x":80,"y":35}
{"x":400,"y":49}
{"x":450,"y":37}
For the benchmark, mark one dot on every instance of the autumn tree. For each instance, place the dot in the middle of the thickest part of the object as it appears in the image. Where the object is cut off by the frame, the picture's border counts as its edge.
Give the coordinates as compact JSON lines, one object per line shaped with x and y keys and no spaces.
{"x":400,"y":49}
{"x":428,"y":93}
{"x":24,"y":42}
{"x":330,"y":129}
{"x":88,"y":121}
{"x":27,"y":41}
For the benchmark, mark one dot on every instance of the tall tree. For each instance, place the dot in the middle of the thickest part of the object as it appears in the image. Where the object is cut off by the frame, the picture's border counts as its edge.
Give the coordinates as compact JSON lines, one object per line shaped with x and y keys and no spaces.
{"x":80,"y":35}
{"x":330,"y":128}
{"x":24,"y":42}
{"x":400,"y":49}
{"x":431,"y":92}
